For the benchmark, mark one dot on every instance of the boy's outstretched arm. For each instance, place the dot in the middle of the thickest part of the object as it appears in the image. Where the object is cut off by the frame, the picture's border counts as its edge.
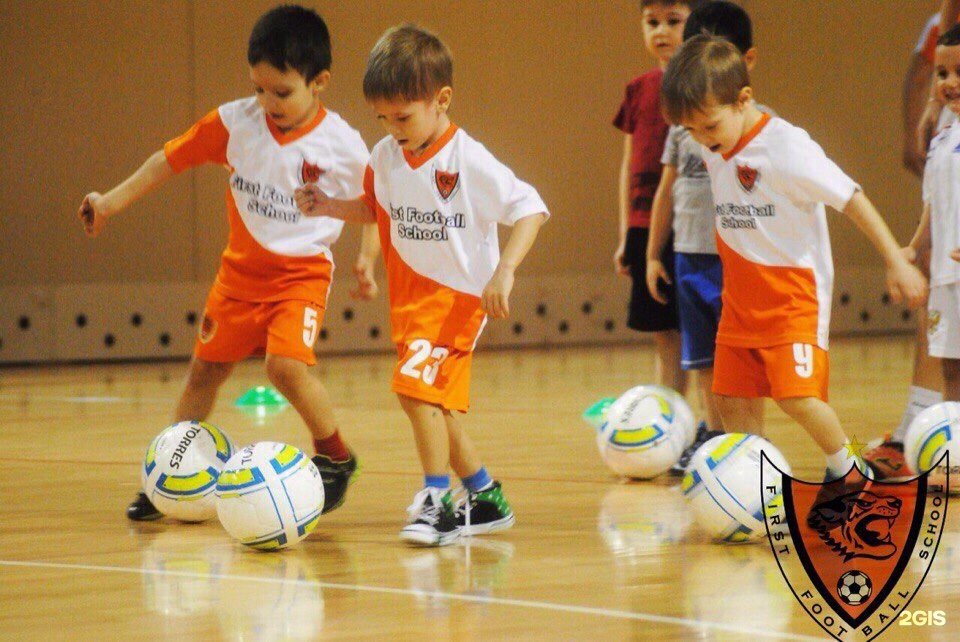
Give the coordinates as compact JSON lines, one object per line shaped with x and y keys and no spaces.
{"x":623,"y":207}
{"x":904,"y":281}
{"x":96,"y":208}
{"x":495,"y":299}
{"x":363,"y":267}
{"x":661,"y":222}
{"x":313,"y":202}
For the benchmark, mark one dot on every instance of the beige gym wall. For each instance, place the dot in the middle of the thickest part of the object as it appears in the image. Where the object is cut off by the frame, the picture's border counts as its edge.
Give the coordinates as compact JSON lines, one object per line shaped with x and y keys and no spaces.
{"x":93,"y":88}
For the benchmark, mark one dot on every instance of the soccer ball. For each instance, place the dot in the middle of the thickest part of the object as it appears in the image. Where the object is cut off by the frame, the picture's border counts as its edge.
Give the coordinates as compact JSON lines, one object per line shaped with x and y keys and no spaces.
{"x":934,"y":431}
{"x":269,"y":495}
{"x":645,"y":431}
{"x":180,"y":469}
{"x":854,"y":587}
{"x":722,"y":484}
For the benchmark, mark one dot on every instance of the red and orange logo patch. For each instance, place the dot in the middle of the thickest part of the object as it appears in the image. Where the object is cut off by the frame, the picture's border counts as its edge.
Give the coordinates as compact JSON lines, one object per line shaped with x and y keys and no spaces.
{"x":747,"y":177}
{"x":310,"y":173}
{"x":447,"y":183}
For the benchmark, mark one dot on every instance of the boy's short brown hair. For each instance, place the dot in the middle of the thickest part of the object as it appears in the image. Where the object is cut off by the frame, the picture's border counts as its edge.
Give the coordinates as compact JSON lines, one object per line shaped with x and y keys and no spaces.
{"x":408,"y":62}
{"x":690,"y":4}
{"x":703,"y":69}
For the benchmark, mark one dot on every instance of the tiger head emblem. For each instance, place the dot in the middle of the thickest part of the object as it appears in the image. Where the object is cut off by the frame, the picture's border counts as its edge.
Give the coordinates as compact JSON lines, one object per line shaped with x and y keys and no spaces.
{"x":864,"y":520}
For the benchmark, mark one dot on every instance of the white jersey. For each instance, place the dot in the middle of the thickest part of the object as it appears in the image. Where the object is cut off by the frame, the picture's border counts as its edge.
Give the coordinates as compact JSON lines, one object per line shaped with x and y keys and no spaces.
{"x":772,"y":235}
{"x":941,"y":190}
{"x":438,"y":214}
{"x":273,"y":251}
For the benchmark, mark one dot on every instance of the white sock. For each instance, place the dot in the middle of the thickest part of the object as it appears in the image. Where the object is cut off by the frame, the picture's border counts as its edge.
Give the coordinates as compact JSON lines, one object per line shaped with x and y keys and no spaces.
{"x":839,"y":463}
{"x":918,"y":400}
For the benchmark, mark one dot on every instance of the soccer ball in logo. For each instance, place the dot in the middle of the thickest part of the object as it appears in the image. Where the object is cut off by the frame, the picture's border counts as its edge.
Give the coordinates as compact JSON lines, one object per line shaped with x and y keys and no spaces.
{"x":854,"y":587}
{"x":645,"y":431}
{"x":269,"y":495}
{"x":180,"y":469}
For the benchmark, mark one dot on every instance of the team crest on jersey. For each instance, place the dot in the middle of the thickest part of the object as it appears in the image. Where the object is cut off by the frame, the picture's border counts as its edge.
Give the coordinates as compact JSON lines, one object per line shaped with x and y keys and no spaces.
{"x":747,"y":177}
{"x":447,"y":183}
{"x":853,"y":551}
{"x":310,"y":173}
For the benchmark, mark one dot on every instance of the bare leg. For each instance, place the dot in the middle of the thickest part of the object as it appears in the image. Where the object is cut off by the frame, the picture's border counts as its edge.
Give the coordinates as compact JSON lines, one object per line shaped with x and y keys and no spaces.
{"x":203,"y":381}
{"x":951,"y":379}
{"x":708,"y":401}
{"x":430,"y":434}
{"x":667,"y":371}
{"x":464,"y":458}
{"x":818,"y":419}
{"x":305,"y":393}
{"x":741,"y":414}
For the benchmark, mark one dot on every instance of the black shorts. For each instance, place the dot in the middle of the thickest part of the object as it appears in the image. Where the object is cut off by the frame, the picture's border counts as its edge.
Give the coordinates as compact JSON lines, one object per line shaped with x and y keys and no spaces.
{"x":645,"y":313}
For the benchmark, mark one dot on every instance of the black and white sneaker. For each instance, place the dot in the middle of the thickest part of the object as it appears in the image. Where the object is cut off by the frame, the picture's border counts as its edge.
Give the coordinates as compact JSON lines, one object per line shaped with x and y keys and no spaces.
{"x":431,"y":520}
{"x":336,"y":476}
{"x":141,"y":509}
{"x":484,"y":511}
{"x":703,"y":435}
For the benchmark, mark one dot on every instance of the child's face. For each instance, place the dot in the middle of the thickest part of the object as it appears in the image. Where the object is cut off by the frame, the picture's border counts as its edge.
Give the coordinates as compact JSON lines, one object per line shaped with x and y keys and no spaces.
{"x":663,"y":29}
{"x":718,"y":127}
{"x":947,"y":72}
{"x":288,"y":99}
{"x":414,"y":125}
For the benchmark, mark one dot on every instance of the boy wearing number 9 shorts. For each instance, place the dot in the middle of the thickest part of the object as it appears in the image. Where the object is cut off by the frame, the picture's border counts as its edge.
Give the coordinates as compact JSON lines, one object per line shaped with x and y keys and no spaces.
{"x":770,"y":183}
{"x":271,"y":289}
{"x":437,"y":196}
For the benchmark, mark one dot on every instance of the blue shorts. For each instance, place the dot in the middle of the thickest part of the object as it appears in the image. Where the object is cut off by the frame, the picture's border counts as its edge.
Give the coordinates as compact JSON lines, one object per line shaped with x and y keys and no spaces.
{"x":698,"y":282}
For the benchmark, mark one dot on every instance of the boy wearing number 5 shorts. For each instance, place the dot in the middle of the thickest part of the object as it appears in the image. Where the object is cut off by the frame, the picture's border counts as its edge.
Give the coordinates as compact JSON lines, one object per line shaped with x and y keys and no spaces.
{"x":770,"y":183}
{"x":437,"y":196}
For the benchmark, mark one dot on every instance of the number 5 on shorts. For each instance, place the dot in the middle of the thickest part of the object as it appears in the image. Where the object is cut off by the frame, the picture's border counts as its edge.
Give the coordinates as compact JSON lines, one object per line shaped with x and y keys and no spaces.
{"x":429,"y":356}
{"x":310,"y":326}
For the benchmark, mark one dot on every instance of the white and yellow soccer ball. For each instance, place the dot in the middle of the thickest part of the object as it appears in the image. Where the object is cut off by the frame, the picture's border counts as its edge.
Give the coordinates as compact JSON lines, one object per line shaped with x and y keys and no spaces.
{"x":722,"y":485}
{"x":180,"y":469}
{"x":645,"y":431}
{"x":269,"y":495}
{"x":933,"y":432}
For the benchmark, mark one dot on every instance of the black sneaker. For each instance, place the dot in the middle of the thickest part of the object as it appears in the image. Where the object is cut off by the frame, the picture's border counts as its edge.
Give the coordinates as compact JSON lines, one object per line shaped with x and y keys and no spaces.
{"x":431,"y":520}
{"x":484,"y":511}
{"x":142,"y":509}
{"x":703,"y":435}
{"x":336,"y":476}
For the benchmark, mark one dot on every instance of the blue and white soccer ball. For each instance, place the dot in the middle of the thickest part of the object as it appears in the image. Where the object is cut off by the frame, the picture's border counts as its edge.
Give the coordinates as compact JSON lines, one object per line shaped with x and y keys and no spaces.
{"x":180,"y":469}
{"x":269,"y":495}
{"x":645,"y":431}
{"x":722,"y":484}
{"x":933,"y":432}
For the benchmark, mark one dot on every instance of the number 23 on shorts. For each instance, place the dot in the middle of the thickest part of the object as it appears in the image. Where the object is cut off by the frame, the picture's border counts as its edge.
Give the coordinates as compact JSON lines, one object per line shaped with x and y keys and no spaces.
{"x":424,"y":363}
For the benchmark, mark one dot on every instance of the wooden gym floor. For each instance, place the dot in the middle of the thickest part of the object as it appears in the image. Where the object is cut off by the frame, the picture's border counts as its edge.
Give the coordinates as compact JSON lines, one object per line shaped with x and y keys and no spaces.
{"x":590,"y":558}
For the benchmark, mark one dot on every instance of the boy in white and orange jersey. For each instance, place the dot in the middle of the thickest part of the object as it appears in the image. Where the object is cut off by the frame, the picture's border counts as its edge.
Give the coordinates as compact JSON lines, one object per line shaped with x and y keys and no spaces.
{"x":770,"y":182}
{"x":437,"y":196}
{"x":271,"y":289}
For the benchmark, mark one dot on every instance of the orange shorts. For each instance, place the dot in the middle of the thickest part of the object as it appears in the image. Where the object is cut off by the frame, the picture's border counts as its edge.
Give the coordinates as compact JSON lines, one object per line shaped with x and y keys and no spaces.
{"x":232,"y":329}
{"x":433,"y":373}
{"x":779,"y":372}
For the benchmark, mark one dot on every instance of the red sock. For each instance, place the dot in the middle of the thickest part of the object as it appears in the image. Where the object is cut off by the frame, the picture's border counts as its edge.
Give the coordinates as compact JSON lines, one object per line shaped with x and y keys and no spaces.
{"x":332,"y":446}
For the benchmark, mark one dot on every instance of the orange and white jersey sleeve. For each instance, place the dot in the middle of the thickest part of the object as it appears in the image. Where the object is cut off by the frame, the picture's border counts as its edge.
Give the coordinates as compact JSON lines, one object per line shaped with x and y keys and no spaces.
{"x":274,"y":252}
{"x":927,"y":42}
{"x":438,"y":214}
{"x":772,"y":236}
{"x":941,"y":190}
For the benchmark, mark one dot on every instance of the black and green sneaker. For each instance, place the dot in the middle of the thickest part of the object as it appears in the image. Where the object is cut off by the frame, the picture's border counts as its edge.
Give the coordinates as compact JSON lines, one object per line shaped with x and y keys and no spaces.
{"x":141,"y":509}
{"x":431,"y":521}
{"x":336,"y":476}
{"x":484,"y":511}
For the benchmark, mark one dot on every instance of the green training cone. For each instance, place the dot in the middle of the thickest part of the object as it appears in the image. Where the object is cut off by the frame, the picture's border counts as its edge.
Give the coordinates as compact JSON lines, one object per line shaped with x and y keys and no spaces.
{"x":596,"y":413}
{"x":260,"y":396}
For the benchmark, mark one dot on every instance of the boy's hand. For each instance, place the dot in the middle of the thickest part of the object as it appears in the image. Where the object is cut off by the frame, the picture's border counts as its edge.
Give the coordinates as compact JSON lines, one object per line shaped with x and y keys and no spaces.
{"x":92,"y":214}
{"x":495,"y":299}
{"x":905,"y":283}
{"x":910,"y":253}
{"x":311,"y":200}
{"x":618,"y":266}
{"x":366,"y":289}
{"x":955,"y":254}
{"x":656,"y":272}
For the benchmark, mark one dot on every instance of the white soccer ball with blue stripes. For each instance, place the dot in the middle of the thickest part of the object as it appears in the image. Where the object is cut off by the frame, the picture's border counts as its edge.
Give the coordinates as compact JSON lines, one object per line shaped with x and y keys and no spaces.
{"x":722,"y":485}
{"x":933,"y":432}
{"x":180,"y":469}
{"x":645,"y":431}
{"x":269,"y":495}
